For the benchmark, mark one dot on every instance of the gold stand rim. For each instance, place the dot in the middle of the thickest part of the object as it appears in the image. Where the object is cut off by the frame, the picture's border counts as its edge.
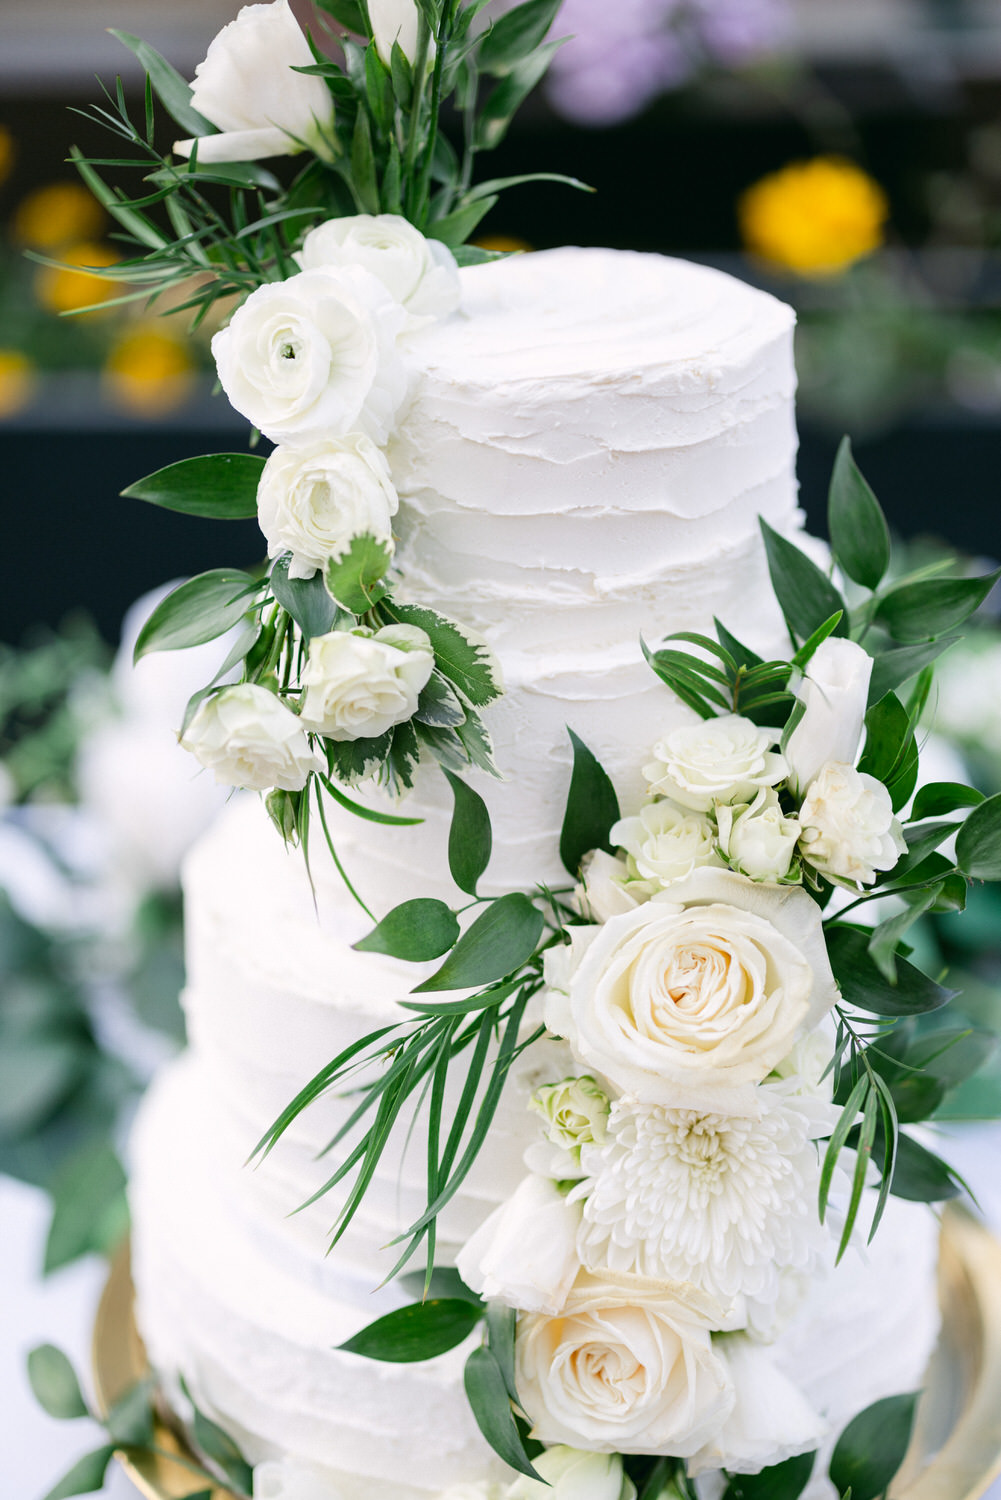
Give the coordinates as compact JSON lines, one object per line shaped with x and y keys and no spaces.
{"x":960,"y":1464}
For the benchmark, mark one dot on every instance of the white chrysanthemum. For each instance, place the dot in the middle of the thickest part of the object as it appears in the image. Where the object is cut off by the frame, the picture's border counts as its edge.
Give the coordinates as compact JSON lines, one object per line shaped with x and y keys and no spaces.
{"x":728,"y":1203}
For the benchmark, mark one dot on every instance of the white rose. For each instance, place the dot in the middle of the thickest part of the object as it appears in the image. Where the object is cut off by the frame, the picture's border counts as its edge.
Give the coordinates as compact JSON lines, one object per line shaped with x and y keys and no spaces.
{"x":396,"y":21}
{"x":717,"y":760}
{"x":666,"y":842}
{"x":849,"y":830}
{"x":835,"y":691}
{"x":315,"y":357}
{"x":758,"y":839}
{"x":525,"y":1253}
{"x":358,"y":685}
{"x":247,"y":89}
{"x":602,"y":891}
{"x":312,"y":501}
{"x":693,"y":998}
{"x":771,"y":1419}
{"x":575,"y":1111}
{"x":572,"y":1475}
{"x":419,"y":273}
{"x":248,"y":738}
{"x":627,"y":1367}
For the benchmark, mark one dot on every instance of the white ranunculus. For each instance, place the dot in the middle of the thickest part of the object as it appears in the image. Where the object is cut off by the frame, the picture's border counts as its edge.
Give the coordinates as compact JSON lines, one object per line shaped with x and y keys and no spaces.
{"x":849,"y":828}
{"x":666,"y":842}
{"x":250,"y":739}
{"x":312,"y":501}
{"x":835,"y":692}
{"x":575,"y":1111}
{"x":693,"y":998}
{"x":570,"y":1474}
{"x":315,"y":357}
{"x":602,"y":892}
{"x":359,"y":684}
{"x":627,"y":1367}
{"x":247,"y":88}
{"x":396,"y":21}
{"x":418,"y":273}
{"x":758,"y":839}
{"x":717,"y":760}
{"x":771,"y":1418}
{"x":525,"y":1253}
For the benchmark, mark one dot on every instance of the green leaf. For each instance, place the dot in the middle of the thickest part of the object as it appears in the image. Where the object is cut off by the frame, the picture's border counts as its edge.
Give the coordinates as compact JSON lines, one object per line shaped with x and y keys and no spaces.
{"x":978,"y":843}
{"x":54,"y":1383}
{"x":306,"y":599}
{"x":348,"y":12}
{"x":130,"y":1420}
{"x":416,"y":931}
{"x":864,"y":986}
{"x":89,"y":1211}
{"x":455,"y":228}
{"x":920,"y":1176}
{"x":785,"y":1481}
{"x":505,"y":100}
{"x":403,"y":76}
{"x":37,"y":1073}
{"x":466,"y":662}
{"x":921,"y":611}
{"x":378,"y":90}
{"x":887,"y":936}
{"x":438,"y":704}
{"x":501,"y":1324}
{"x":364,"y":181}
{"x":220,"y":1447}
{"x":445,"y":1283}
{"x":938,"y":797}
{"x":592,"y":808}
{"x":222,"y":486}
{"x":355,"y":578}
{"x":487,"y":1395}
{"x":860,"y":537}
{"x":354,"y":760}
{"x":515,"y":35}
{"x":421,"y":1331}
{"x":806,"y":596}
{"x":171,"y":89}
{"x":197,"y":611}
{"x":871,"y":1449}
{"x":470,"y":837}
{"x":890,"y":753}
{"x":892,"y":668}
{"x":501,"y":939}
{"x":85,"y":1477}
{"x":368,"y":814}
{"x":742,"y":655}
{"x":808,"y":650}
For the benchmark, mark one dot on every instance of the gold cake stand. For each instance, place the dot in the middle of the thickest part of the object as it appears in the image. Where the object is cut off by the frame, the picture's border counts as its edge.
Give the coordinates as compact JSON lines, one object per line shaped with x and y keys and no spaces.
{"x":955,"y":1453}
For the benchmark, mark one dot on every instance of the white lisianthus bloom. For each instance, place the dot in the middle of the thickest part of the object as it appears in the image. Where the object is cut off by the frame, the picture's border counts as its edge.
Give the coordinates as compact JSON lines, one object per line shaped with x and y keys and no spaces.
{"x":603,"y":889}
{"x":525,"y":1253}
{"x":570,"y":1474}
{"x":627,"y":1367}
{"x":419,"y":273}
{"x":717,"y":760}
{"x":396,"y":21}
{"x":693,"y":998}
{"x":849,"y":828}
{"x":835,"y":692}
{"x":758,"y":839}
{"x":247,"y":89}
{"x":575,"y":1111}
{"x":312,"y":501}
{"x":359,"y":684}
{"x":666,"y":842}
{"x":726,"y":1202}
{"x":771,"y":1419}
{"x":250,"y":739}
{"x":315,"y":357}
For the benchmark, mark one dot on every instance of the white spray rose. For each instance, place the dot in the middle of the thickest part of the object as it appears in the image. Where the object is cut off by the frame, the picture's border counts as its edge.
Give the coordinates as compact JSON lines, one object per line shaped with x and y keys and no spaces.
{"x":771,"y":1418}
{"x":312,"y":501}
{"x":758,"y":839}
{"x":627,"y":1367}
{"x":602,"y":891}
{"x":396,"y":21}
{"x":419,"y":273}
{"x":525,"y":1253}
{"x":693,"y":998}
{"x":849,"y":829}
{"x":315,"y":357}
{"x":575,"y":1112}
{"x":573,"y":1475}
{"x":835,"y":692}
{"x":250,"y":739}
{"x":666,"y":842}
{"x":359,"y":684}
{"x":717,"y":760}
{"x":247,"y":89}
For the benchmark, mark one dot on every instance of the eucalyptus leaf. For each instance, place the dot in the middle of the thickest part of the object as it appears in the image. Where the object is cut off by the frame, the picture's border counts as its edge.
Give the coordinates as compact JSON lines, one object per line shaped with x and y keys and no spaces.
{"x":470,"y":837}
{"x":501,"y":939}
{"x":222,"y":486}
{"x":418,"y":1332}
{"x":866,"y":987}
{"x":860,"y":537}
{"x":785,"y":1481}
{"x":806,"y":596}
{"x":130,"y":1420}
{"x":924,"y":610}
{"x":488,"y":1397}
{"x":54,"y":1383}
{"x":978,"y":843}
{"x":86,"y":1476}
{"x":197,"y":611}
{"x":466,"y":661}
{"x":416,"y":930}
{"x":171,"y":89}
{"x":89,"y":1208}
{"x":355,"y":578}
{"x":871,"y":1449}
{"x":592,"y":808}
{"x":305,"y":599}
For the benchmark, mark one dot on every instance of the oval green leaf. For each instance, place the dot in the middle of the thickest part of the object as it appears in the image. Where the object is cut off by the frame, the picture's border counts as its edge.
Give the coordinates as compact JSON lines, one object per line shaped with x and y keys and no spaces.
{"x":871,"y":1449}
{"x":421,"y":1331}
{"x":416,"y":930}
{"x":86,"y":1476}
{"x":592,"y":808}
{"x":860,"y":537}
{"x":978,"y":843}
{"x":864,"y":985}
{"x":355,"y":578}
{"x":488,"y":1397}
{"x":54,"y":1383}
{"x":197,"y":611}
{"x":938,"y":797}
{"x":920,"y":1176}
{"x":806,"y":596}
{"x":785,"y":1481}
{"x":220,"y":486}
{"x":470,"y":838}
{"x":926,"y":609}
{"x":498,"y":943}
{"x":306,"y":600}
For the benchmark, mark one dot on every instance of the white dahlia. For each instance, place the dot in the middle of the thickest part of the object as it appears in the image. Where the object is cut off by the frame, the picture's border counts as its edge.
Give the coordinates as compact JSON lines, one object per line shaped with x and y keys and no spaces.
{"x":725,"y":1202}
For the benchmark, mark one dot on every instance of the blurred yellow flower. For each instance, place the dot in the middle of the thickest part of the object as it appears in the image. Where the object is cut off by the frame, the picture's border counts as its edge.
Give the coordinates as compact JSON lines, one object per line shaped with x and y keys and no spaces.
{"x":17,"y":381}
{"x":149,"y":371}
{"x":62,"y":289}
{"x":61,"y":213}
{"x":7,"y":153}
{"x":814,"y":217}
{"x":508,"y":244}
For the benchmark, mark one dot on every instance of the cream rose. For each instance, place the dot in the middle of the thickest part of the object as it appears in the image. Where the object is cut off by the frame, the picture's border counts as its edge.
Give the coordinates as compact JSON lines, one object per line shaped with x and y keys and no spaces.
{"x":834,"y":692}
{"x":693,"y":998}
{"x":603,"y":889}
{"x":666,"y":842}
{"x":359,"y":684}
{"x":250,"y":739}
{"x":572,"y":1475}
{"x":312,"y":501}
{"x":627,"y":1367}
{"x":247,"y":88}
{"x":717,"y":760}
{"x":758,"y":839}
{"x":849,"y":829}
{"x":396,"y":21}
{"x":418,"y":273}
{"x":525,"y":1253}
{"x":315,"y":357}
{"x":575,"y":1112}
